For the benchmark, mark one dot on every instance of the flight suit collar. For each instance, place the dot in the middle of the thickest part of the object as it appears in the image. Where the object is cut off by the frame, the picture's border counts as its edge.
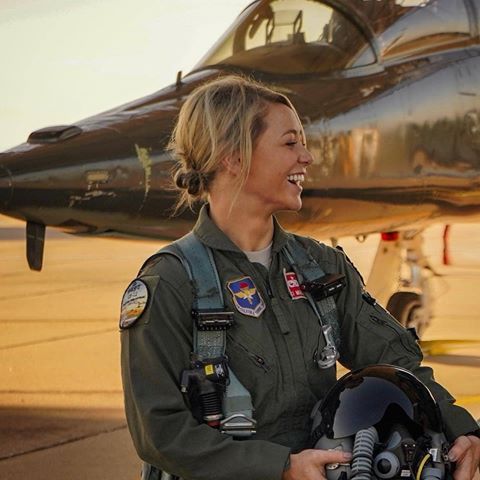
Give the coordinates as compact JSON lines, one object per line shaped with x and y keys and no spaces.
{"x":206,"y":230}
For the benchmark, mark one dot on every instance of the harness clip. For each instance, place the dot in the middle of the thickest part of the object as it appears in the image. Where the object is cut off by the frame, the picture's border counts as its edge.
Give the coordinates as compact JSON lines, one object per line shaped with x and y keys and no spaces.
{"x":238,"y":425}
{"x":329,"y":354}
{"x":213,"y":319}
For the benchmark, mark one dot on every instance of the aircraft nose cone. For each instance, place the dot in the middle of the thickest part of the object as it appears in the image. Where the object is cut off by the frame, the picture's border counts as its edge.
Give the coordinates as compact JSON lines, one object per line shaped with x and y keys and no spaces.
{"x":6,"y":188}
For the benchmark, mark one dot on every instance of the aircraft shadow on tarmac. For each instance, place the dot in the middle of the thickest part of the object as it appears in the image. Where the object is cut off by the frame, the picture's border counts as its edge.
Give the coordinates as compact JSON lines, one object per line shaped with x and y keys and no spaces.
{"x":32,"y":429}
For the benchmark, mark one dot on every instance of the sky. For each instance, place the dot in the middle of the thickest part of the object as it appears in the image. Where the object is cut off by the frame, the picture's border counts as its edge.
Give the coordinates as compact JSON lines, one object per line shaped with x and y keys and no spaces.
{"x":64,"y":60}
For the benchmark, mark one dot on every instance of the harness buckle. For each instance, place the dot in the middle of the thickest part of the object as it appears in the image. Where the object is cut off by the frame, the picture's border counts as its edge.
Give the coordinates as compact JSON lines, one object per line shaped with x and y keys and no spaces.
{"x":212,"y":319}
{"x":238,"y":425}
{"x":329,"y":354}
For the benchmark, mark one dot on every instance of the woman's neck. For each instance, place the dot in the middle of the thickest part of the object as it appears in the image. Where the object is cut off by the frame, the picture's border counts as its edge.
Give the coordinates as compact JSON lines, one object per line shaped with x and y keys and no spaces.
{"x":248,"y":230}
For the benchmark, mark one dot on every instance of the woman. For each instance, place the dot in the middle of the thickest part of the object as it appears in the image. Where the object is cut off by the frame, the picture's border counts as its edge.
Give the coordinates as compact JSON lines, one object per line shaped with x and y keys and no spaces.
{"x":242,"y":149}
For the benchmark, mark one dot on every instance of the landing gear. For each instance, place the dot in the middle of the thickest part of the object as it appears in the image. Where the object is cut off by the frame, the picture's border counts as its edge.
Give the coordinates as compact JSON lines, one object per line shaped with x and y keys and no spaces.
{"x":400,"y":279}
{"x":408,"y":309}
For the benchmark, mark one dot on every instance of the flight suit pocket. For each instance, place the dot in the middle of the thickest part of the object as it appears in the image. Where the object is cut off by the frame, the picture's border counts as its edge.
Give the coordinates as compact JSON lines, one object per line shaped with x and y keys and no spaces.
{"x":256,"y":359}
{"x":241,"y":349}
{"x":254,"y":368}
{"x":308,"y":327}
{"x":312,"y":340}
{"x":383,"y":326}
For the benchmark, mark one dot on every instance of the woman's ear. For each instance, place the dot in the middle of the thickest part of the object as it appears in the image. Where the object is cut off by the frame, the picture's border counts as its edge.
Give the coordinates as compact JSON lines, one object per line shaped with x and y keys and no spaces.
{"x":232,"y":164}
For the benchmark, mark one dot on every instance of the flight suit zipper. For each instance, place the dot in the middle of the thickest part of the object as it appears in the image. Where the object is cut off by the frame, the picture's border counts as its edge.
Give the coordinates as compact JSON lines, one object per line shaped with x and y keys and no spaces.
{"x":292,"y":397}
{"x":274,"y":303}
{"x":258,"y":360}
{"x":384,"y":323}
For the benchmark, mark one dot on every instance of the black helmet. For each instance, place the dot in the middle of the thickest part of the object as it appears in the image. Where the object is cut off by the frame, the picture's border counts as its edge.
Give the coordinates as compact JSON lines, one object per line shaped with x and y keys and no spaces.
{"x":378,"y":395}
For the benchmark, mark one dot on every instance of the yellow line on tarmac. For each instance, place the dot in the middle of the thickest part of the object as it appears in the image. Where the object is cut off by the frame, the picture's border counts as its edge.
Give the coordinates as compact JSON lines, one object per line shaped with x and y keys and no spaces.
{"x":445,"y":346}
{"x":467,"y":399}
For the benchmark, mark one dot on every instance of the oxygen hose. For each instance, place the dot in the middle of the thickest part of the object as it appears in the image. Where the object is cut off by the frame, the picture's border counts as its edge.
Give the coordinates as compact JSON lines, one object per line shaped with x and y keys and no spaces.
{"x":422,"y":465}
{"x":363,"y":454}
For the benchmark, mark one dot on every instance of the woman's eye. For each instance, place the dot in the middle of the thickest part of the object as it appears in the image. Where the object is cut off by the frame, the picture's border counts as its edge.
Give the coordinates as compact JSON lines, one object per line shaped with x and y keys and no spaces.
{"x":291,"y":143}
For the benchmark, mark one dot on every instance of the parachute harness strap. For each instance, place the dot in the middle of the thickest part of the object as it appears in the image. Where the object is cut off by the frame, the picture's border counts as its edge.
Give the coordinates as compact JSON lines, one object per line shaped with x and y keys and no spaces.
{"x":307,"y":269}
{"x":211,"y":321}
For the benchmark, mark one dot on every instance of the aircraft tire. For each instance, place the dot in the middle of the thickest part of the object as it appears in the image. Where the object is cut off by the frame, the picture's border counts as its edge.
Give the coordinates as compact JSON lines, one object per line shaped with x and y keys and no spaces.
{"x":407,"y":308}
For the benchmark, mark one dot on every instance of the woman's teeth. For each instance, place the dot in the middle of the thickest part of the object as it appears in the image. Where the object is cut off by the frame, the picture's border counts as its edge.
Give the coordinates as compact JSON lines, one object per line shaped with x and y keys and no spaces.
{"x":296,"y":178}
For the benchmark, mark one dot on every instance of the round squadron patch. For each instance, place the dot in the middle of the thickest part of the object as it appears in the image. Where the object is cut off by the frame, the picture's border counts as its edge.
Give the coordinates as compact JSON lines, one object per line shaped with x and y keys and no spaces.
{"x":134,"y":302}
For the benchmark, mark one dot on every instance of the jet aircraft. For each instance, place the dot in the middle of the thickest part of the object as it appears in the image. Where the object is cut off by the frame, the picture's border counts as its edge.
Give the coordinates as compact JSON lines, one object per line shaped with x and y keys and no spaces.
{"x":388,"y":91}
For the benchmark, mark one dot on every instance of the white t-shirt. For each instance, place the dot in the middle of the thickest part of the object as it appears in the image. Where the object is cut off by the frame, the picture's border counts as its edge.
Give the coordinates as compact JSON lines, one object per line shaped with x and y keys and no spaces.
{"x":263,"y":256}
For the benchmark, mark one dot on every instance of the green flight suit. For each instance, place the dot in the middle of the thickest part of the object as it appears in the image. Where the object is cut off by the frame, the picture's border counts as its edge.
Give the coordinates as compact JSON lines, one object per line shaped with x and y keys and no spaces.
{"x":272,"y":356}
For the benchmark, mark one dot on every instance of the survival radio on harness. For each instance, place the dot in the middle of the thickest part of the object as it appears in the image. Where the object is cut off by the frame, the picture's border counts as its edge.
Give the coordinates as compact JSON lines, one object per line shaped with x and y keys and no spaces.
{"x":325,"y":286}
{"x":204,"y":384}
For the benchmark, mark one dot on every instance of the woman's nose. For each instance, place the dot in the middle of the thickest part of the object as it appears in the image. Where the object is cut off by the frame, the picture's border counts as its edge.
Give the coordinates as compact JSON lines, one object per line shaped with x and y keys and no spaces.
{"x":305,"y":157}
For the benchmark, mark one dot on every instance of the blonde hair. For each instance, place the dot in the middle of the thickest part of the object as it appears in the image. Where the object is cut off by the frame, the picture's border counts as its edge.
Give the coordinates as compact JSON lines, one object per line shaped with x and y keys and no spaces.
{"x":219,"y":119}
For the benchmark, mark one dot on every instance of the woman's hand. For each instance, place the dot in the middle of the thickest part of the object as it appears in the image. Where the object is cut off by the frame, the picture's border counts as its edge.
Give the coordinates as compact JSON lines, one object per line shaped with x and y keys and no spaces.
{"x":310,"y":464}
{"x":466,"y":453}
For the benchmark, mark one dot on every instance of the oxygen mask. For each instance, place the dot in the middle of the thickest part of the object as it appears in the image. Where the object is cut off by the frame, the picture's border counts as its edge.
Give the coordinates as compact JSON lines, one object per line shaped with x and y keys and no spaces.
{"x":390,"y":422}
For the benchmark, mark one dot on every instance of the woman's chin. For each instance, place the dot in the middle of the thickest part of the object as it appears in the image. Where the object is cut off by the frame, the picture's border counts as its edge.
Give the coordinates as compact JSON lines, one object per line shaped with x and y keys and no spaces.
{"x":297,"y":204}
{"x":291,"y":207}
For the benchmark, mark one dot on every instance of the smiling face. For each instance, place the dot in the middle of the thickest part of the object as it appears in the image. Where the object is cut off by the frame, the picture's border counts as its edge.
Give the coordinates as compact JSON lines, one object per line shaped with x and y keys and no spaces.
{"x":279,"y":163}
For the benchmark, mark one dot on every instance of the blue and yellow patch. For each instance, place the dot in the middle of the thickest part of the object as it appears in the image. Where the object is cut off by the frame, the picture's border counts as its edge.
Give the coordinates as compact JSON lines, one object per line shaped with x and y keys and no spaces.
{"x":246,"y":297}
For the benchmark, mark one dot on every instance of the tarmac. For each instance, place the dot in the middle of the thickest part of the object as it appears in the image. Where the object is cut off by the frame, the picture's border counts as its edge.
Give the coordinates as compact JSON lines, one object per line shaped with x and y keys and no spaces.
{"x":61,"y":406}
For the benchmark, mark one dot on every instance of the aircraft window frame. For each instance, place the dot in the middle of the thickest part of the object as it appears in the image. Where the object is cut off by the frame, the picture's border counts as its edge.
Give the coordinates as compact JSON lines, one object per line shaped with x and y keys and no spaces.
{"x":473,"y":18}
{"x":409,"y":48}
{"x":362,"y":30}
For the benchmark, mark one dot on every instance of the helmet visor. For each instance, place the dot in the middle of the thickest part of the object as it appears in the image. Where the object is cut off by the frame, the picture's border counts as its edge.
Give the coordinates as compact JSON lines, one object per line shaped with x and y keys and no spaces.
{"x":380,"y":393}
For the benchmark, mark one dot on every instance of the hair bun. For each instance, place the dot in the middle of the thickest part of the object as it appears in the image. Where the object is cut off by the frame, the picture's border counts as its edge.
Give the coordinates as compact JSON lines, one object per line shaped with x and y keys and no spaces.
{"x":179,"y":180}
{"x":190,"y":181}
{"x":194,"y":182}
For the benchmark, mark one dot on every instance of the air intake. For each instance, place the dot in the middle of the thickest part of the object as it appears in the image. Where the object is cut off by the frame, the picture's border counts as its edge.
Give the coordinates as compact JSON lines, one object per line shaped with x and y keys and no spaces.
{"x":55,"y":134}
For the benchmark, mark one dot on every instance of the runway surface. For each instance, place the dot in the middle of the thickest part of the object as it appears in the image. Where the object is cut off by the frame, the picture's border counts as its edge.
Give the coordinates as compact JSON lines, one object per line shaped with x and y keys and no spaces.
{"x":61,"y":411}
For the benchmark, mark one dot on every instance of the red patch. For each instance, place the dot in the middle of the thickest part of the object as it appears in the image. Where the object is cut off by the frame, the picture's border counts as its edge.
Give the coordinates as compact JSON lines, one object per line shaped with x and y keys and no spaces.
{"x":293,"y":286}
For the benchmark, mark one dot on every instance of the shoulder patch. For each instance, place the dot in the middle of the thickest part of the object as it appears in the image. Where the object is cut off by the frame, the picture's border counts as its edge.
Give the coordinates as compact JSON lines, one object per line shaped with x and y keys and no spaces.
{"x":134,"y":302}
